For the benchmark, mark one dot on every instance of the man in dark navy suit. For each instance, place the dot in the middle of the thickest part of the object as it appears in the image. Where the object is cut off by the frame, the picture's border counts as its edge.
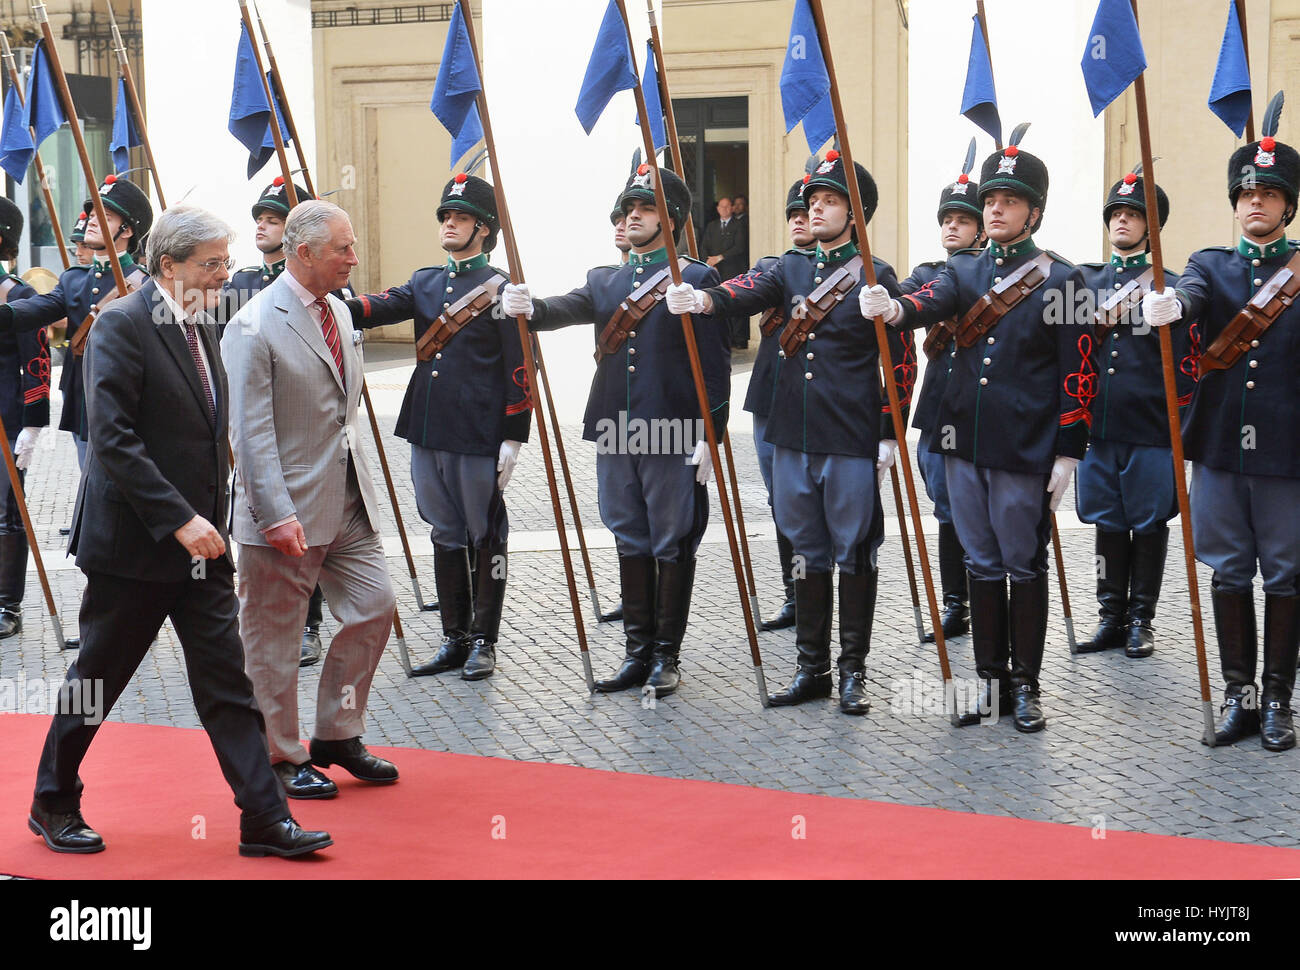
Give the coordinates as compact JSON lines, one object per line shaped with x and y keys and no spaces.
{"x":149,"y":532}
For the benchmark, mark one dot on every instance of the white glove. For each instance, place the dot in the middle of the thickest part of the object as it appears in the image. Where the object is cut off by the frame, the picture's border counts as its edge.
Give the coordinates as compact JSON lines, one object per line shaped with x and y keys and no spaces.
{"x":506,"y":461}
{"x":875,"y":301}
{"x":25,"y":446}
{"x":704,"y":460}
{"x":885,"y":455}
{"x":1161,"y":309}
{"x":684,"y":298}
{"x":1062,"y":469}
{"x":517,"y":300}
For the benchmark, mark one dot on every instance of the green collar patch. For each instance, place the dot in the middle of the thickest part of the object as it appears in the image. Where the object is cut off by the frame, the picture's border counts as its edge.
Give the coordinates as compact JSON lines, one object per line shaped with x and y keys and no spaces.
{"x":651,"y":258}
{"x":124,"y":259}
{"x":1026,"y":245}
{"x":276,"y":268}
{"x":1251,"y":251}
{"x":465,"y":265}
{"x":847,"y":251}
{"x":1128,"y":262}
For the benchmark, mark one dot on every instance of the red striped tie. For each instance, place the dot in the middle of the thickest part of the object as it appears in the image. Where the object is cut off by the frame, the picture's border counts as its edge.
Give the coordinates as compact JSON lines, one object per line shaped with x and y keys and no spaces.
{"x":331,"y":335}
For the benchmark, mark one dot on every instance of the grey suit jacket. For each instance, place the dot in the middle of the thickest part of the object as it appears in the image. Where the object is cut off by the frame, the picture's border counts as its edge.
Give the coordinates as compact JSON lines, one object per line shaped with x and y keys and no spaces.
{"x":292,"y":427}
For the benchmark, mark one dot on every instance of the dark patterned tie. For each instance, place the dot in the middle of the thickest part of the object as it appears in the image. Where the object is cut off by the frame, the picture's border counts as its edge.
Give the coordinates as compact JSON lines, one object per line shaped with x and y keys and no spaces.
{"x":331,"y":334}
{"x":192,"y":338}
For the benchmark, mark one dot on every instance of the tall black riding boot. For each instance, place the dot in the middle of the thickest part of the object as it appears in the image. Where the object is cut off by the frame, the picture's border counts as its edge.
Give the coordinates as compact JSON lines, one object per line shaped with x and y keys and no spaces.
{"x":952,"y":574}
{"x":1281,"y":646}
{"x":857,"y":610}
{"x":990,"y":643}
{"x":1234,"y":620}
{"x":13,"y":582}
{"x":812,"y":640}
{"x":489,"y":598}
{"x":785,"y":616}
{"x":1028,"y":613}
{"x":672,"y":608}
{"x":1146,"y":570}
{"x":1113,"y":554}
{"x":637,"y":579}
{"x":455,"y":607}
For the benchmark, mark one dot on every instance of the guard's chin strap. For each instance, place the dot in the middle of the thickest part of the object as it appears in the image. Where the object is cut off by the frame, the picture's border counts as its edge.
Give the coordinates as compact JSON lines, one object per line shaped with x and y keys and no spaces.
{"x":473,"y":234}
{"x":658,"y":231}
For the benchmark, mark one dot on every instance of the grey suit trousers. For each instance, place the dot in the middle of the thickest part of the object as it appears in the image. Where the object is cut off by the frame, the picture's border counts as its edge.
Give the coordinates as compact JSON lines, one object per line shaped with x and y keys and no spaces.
{"x":273,"y":593}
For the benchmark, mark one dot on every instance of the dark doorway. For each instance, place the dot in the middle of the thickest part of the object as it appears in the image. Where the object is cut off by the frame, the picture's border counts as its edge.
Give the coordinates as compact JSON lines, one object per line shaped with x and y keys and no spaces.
{"x":714,"y":134}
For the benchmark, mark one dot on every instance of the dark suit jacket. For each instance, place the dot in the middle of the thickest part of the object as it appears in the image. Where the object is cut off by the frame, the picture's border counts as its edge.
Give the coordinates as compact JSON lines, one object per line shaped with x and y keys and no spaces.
{"x":156,"y":456}
{"x":732,"y":244}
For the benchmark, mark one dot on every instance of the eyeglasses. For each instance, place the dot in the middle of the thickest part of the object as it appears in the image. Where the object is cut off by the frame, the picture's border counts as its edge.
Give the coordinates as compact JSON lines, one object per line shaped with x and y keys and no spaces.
{"x":211,"y":265}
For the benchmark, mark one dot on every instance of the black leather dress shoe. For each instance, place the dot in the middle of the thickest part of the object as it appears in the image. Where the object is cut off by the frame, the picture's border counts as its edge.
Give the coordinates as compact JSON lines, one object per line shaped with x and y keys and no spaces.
{"x":72,"y":643}
{"x":310,"y":646}
{"x":807,"y":685}
{"x":284,"y":838}
{"x":304,"y":781}
{"x":64,"y":831}
{"x":351,"y":755}
{"x":1027,"y":711}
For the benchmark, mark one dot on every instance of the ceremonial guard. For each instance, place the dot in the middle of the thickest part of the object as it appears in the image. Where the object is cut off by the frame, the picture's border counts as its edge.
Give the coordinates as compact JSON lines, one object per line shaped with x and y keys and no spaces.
{"x":84,"y":254}
{"x":25,"y":407}
{"x":1125,"y":484}
{"x":82,"y":290}
{"x":466,"y":413}
{"x":1013,"y":422}
{"x":1240,"y":432}
{"x":619,"y":221}
{"x":762,"y":386}
{"x":961,"y":227}
{"x":652,"y":461}
{"x":830,"y":428}
{"x":269,"y":212}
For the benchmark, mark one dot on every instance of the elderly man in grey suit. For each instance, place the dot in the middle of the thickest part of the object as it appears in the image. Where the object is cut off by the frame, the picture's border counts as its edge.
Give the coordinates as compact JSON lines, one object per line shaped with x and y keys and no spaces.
{"x":304,"y":507}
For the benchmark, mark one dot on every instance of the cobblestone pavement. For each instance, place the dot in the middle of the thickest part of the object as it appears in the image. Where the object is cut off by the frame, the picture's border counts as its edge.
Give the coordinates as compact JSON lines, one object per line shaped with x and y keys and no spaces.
{"x":1121,"y":746}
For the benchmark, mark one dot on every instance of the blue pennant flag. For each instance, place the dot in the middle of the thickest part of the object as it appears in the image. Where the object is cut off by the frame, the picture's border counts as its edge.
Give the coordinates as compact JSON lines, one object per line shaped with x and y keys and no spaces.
{"x":805,"y":84}
{"x":979,"y":99}
{"x":16,"y":145}
{"x":43,"y":110}
{"x":1230,"y":89}
{"x":653,"y":103}
{"x":250,"y":115}
{"x":1113,"y":58}
{"x":125,"y":134}
{"x":609,"y":71}
{"x":457,"y":88}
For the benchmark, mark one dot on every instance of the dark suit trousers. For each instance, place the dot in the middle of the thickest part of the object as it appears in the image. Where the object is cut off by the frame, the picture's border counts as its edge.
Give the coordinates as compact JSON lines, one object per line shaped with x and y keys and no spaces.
{"x":119,"y":620}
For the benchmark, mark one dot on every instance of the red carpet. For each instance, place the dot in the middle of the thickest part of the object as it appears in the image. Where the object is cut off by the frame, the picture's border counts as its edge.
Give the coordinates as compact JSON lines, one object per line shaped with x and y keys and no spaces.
{"x":558,"y":821}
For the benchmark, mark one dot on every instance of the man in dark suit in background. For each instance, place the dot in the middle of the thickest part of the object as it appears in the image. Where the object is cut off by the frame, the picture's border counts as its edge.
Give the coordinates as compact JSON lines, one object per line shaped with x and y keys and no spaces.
{"x":149,"y":533}
{"x":725,"y":248}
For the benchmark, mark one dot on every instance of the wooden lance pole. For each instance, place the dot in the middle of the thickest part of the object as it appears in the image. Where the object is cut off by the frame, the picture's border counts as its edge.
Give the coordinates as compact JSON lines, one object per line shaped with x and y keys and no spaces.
{"x":1171,"y":399}
{"x":133,"y":96}
{"x":17,"y":82}
{"x":886,"y":363}
{"x":693,"y":353}
{"x":675,"y":149}
{"x":289,"y":190}
{"x":70,"y":113}
{"x":517,"y":277}
{"x":284,"y":103}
